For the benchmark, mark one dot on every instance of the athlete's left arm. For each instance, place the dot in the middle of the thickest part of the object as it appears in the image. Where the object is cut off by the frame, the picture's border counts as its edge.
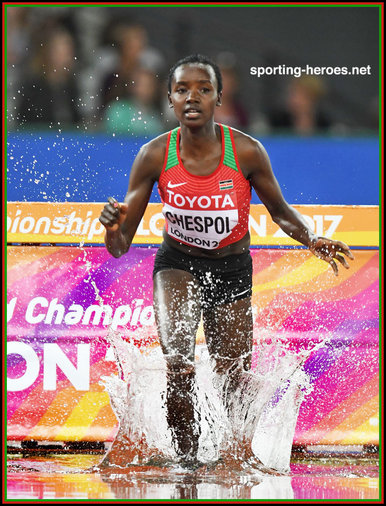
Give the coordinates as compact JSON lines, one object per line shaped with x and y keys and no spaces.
{"x":256,"y":164}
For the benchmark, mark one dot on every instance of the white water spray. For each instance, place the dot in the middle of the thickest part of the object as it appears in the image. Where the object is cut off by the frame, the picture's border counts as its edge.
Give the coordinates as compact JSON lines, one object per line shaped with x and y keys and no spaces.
{"x":262,"y":413}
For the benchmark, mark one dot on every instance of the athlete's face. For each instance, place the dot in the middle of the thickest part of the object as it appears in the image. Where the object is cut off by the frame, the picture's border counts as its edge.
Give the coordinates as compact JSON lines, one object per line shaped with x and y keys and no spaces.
{"x":194,"y":94}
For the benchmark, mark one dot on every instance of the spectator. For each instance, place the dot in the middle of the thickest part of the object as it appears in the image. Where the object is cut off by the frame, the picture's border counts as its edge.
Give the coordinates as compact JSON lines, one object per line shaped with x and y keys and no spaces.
{"x":134,"y":53}
{"x":138,"y":113}
{"x":231,"y":112}
{"x":18,"y":35}
{"x":50,"y":94}
{"x":302,"y":113}
{"x":18,"y":40}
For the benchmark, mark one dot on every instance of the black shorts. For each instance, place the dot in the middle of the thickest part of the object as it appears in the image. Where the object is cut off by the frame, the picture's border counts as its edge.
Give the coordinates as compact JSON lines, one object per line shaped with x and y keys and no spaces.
{"x":222,"y":280}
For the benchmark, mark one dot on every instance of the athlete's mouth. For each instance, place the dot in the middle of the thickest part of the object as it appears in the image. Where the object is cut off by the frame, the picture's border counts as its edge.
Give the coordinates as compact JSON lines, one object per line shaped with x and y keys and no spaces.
{"x":192,"y":113}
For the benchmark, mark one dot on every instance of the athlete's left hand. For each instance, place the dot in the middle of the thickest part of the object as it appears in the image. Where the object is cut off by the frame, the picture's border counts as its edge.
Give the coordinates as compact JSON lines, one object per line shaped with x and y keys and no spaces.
{"x":329,"y":251}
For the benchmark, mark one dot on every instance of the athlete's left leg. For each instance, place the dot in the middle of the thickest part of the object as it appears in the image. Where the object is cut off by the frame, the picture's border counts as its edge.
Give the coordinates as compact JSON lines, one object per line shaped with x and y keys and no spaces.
{"x":229,"y":335}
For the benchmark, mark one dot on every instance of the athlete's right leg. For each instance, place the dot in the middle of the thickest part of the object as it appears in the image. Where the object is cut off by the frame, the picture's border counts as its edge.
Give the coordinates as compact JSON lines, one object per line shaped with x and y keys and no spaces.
{"x":177,"y":311}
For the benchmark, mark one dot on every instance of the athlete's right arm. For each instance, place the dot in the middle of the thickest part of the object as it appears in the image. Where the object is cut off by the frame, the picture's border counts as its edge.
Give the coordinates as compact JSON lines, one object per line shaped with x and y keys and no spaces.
{"x":121,"y":220}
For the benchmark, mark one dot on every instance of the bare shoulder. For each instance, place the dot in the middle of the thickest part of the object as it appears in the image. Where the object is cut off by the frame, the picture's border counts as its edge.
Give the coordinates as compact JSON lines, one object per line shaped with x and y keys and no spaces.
{"x":151,"y":156}
{"x":250,"y":151}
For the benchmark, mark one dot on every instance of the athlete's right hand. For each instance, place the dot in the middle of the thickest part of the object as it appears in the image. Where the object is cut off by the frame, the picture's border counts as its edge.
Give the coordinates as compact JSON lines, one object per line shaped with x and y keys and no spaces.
{"x":113,"y":214}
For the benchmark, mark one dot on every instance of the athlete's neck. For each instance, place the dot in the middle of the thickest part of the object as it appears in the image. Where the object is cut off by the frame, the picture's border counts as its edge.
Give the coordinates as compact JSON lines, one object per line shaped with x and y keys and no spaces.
{"x":199,"y":141}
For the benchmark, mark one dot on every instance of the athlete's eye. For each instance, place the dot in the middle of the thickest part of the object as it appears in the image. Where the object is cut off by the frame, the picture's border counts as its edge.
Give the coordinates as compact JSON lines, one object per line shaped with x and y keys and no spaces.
{"x":180,"y":90}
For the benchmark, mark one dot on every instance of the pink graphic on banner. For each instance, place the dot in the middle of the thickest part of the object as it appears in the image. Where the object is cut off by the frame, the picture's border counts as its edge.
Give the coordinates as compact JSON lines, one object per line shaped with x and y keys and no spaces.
{"x":62,"y":301}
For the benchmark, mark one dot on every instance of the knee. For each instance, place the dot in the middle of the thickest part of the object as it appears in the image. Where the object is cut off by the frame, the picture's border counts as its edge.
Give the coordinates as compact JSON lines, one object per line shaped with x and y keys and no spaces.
{"x":231,"y":366}
{"x":180,"y":365}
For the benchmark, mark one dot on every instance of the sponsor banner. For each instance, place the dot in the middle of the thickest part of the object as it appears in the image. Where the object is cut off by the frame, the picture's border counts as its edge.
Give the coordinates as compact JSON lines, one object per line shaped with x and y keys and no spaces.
{"x":64,"y":302}
{"x":57,"y":223}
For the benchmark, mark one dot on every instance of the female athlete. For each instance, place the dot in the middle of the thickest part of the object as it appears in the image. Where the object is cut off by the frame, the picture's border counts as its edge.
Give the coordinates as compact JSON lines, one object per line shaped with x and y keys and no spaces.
{"x":205,"y":172}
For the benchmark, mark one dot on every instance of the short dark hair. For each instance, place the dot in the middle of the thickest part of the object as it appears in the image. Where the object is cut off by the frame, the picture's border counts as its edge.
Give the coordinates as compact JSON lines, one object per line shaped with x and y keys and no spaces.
{"x":196,"y":58}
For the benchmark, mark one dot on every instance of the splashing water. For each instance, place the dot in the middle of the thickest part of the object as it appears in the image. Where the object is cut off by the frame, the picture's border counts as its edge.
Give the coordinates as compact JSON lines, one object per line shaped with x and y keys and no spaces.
{"x":260,"y":422}
{"x":257,"y":428}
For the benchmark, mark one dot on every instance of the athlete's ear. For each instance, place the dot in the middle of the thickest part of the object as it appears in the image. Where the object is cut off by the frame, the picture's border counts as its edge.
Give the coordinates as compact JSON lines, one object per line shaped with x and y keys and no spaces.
{"x":219,"y":97}
{"x":170,"y":100}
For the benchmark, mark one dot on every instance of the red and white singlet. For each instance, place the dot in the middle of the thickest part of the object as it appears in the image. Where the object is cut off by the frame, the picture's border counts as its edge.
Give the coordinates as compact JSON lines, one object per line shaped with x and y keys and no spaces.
{"x":205,"y":211}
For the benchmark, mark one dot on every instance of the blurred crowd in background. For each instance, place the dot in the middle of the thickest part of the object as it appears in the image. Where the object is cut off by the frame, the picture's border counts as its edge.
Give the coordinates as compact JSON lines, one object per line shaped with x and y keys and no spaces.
{"x":64,"y":73}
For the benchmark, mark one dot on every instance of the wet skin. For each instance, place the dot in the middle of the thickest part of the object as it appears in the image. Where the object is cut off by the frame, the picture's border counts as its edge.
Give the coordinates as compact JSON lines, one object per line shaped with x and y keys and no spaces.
{"x":228,"y":328}
{"x":228,"y":332}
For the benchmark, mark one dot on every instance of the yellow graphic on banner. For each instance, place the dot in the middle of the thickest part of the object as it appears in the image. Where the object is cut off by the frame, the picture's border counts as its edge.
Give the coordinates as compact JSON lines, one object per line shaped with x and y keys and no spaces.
{"x":63,"y":223}
{"x":81,"y":417}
